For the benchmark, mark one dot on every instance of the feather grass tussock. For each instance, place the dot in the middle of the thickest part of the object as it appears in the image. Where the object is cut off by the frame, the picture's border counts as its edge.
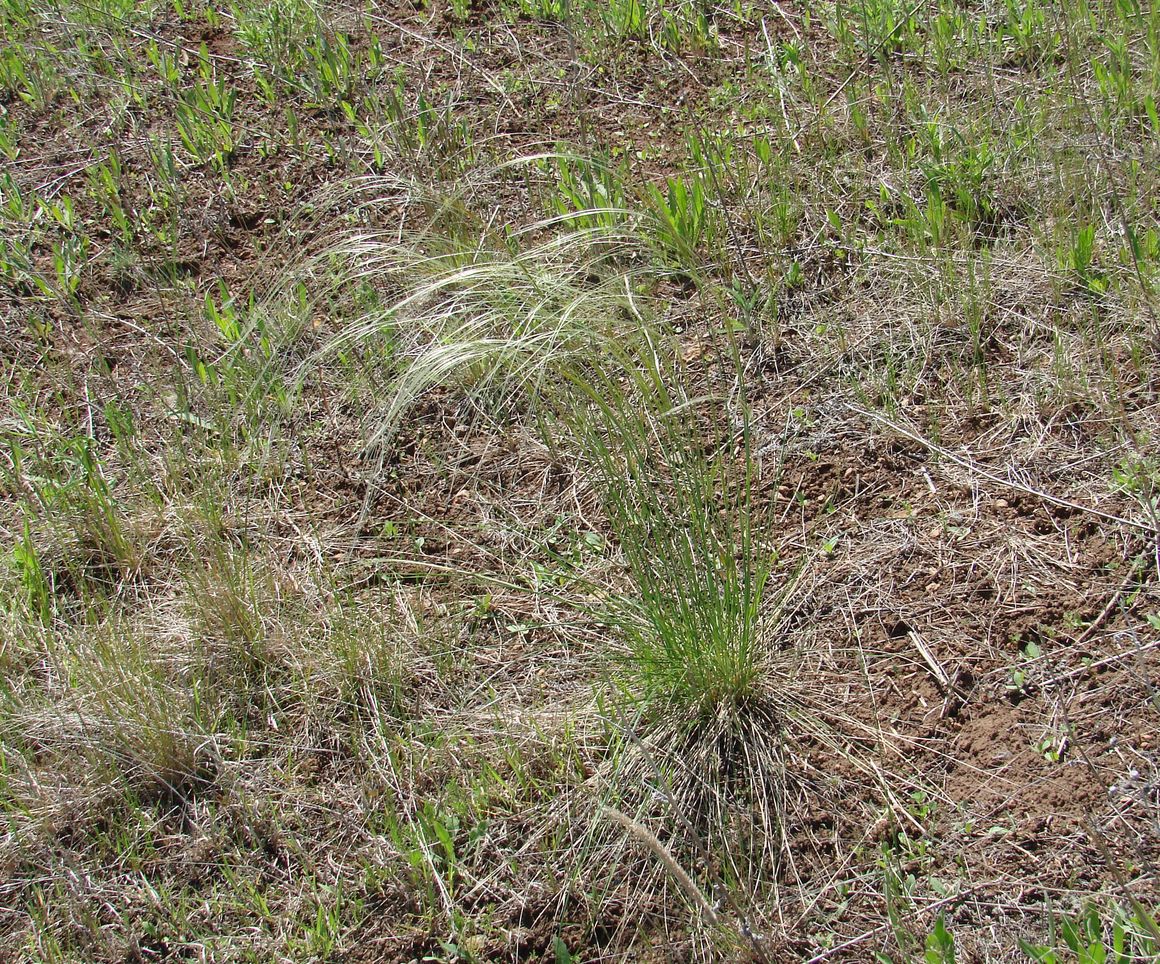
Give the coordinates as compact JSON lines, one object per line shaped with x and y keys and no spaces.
{"x":558,"y":316}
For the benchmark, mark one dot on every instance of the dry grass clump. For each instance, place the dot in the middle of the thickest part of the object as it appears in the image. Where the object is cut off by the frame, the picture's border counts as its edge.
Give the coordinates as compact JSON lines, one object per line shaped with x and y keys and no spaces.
{"x":113,"y":705}
{"x":493,"y":313}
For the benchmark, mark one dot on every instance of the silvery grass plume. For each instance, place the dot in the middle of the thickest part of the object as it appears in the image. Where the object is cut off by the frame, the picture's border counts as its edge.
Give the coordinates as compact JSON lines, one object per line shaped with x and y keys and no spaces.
{"x":460,"y":302}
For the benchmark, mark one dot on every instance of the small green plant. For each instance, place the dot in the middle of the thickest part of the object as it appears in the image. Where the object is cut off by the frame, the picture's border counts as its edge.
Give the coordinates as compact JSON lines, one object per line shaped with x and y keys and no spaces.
{"x":294,"y":50}
{"x":205,"y":116}
{"x":69,"y":260}
{"x":31,"y":73}
{"x":415,"y":130}
{"x":37,"y":590}
{"x":36,"y":224}
{"x":1017,"y":677}
{"x":1027,"y":34}
{"x":1139,"y":477}
{"x":553,"y":10}
{"x":243,"y":372}
{"x":874,"y":28}
{"x":960,"y":171}
{"x":9,"y":137}
{"x":686,"y":28}
{"x":898,"y":890}
{"x":590,"y":193}
{"x":18,"y":205}
{"x":1053,"y":745}
{"x":953,"y":35}
{"x":428,"y":842}
{"x":1088,"y":939}
{"x":335,"y":68}
{"x":335,"y":911}
{"x":940,"y":944}
{"x":626,"y":18}
{"x":1077,"y":258}
{"x":927,"y":226}
{"x":106,"y":187}
{"x":83,"y":542}
{"x":165,"y":63}
{"x":683,"y":219}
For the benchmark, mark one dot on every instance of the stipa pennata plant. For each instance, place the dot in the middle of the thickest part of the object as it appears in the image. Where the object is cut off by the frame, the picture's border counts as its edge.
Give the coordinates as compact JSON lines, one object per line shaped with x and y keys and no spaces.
{"x":683,"y":520}
{"x":699,"y":669}
{"x":702,"y":694}
{"x":491,"y":314}
{"x":559,"y":319}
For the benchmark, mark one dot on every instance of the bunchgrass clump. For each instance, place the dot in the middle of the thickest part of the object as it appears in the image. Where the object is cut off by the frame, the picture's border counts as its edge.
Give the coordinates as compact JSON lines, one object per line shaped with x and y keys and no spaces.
{"x":114,"y":710}
{"x":682,"y":518}
{"x":702,"y":701}
{"x":557,"y":316}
